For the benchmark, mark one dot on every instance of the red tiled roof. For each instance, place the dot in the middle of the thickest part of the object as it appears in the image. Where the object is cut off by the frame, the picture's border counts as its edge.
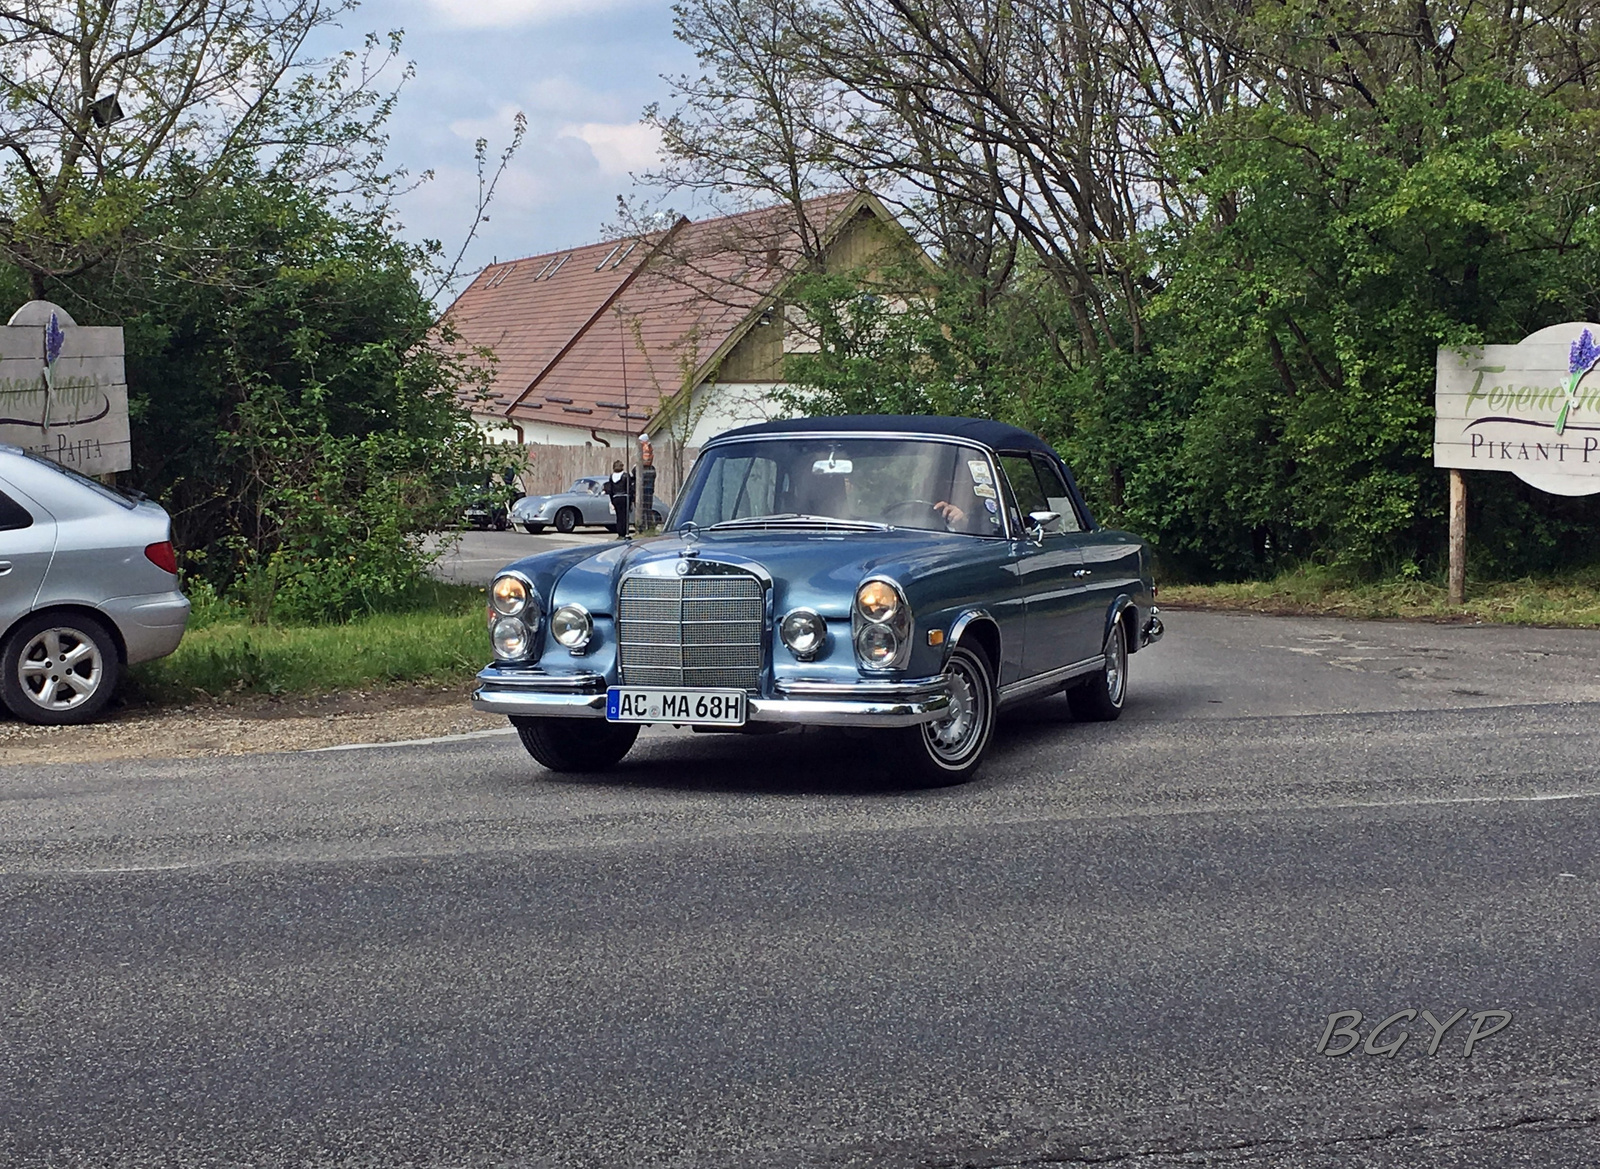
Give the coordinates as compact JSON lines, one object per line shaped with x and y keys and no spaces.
{"x":577,"y":339}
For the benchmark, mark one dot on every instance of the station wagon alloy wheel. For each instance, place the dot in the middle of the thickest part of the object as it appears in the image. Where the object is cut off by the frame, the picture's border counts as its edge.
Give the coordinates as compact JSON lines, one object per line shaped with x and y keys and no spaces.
{"x":59,"y":669}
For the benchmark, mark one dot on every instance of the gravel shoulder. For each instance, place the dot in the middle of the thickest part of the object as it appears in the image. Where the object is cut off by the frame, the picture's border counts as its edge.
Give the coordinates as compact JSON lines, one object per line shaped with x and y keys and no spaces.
{"x":249,"y":725}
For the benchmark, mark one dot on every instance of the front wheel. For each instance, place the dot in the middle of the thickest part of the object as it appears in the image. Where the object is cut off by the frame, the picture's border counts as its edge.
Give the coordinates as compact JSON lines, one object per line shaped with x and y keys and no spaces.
{"x":576,"y":744}
{"x":1099,"y":697}
{"x":949,"y":750}
{"x":59,"y":668}
{"x":566,"y":519}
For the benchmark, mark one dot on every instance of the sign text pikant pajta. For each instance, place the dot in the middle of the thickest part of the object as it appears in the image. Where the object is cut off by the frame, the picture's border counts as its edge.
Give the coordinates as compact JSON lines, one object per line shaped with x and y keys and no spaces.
{"x":63,"y":391}
{"x":1532,"y":409}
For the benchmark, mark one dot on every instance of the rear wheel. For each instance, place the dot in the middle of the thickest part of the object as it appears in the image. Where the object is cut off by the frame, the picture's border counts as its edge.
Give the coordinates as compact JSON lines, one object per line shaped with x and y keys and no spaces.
{"x":566,"y":519}
{"x":59,"y":668}
{"x":949,"y":750}
{"x":1099,"y":697}
{"x":576,"y":744}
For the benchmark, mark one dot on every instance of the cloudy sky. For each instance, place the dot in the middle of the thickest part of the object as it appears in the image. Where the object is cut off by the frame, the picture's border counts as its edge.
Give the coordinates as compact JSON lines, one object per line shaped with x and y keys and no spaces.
{"x":581,"y":70}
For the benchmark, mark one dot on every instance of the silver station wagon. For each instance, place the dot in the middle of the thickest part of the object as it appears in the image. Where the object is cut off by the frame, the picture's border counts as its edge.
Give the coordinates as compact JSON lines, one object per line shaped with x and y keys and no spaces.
{"x":88,"y":586}
{"x":909,"y":575}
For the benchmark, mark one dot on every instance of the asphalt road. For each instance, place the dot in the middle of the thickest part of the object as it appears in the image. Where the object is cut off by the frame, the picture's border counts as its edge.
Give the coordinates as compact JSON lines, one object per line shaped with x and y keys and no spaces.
{"x":1121,"y":944}
{"x":475,"y":557}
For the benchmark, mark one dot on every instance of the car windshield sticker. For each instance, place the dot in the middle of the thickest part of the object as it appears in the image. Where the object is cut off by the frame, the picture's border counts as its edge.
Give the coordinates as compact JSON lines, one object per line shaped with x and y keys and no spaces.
{"x":983,"y":491}
{"x":980,"y":472}
{"x":993,"y":509}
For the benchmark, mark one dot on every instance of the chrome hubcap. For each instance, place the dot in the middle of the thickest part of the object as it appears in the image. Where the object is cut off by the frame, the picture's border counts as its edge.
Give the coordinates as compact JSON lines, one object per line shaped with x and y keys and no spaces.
{"x":1116,"y":665}
{"x":60,"y":669}
{"x":956,"y":735}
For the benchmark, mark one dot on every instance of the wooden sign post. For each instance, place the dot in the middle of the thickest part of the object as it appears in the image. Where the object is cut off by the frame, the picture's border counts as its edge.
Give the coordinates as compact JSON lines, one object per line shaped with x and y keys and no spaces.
{"x":63,"y":392}
{"x":1532,"y":409}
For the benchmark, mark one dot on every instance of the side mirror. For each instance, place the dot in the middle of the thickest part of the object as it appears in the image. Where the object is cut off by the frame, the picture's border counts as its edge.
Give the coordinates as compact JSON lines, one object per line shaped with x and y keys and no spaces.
{"x":1038,"y":522}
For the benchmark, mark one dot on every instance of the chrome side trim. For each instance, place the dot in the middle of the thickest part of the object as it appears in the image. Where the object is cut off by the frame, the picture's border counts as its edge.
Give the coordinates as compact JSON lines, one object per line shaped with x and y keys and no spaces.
{"x":1050,"y":679}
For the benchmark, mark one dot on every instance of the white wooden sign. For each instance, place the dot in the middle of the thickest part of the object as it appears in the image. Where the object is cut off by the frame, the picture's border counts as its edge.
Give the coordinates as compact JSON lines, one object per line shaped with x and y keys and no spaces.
{"x":63,"y":390}
{"x":1532,"y":409}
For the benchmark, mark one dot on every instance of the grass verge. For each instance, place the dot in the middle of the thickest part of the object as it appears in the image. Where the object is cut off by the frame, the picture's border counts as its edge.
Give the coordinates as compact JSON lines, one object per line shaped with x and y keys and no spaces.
{"x":441,"y":639}
{"x":1572,"y":601}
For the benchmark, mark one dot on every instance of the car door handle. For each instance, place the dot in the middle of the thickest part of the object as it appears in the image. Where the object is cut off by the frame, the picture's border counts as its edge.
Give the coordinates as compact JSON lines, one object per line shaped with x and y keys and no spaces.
{"x":5,"y":567}
{"x":1082,"y":572}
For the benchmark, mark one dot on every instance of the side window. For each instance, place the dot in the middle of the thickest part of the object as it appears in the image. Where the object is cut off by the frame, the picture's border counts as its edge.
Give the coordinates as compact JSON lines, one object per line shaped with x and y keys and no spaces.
{"x":1036,"y":493}
{"x":1056,"y":494}
{"x":13,"y":515}
{"x":1024,"y":483}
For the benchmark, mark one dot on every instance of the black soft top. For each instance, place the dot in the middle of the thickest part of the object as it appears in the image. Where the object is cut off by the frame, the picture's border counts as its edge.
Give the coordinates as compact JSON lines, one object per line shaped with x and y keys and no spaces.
{"x":997,"y":436}
{"x":994,"y":435}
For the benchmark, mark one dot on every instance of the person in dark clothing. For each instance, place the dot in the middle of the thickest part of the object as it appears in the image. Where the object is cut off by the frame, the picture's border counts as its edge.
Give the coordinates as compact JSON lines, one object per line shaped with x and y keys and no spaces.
{"x":620,"y":487}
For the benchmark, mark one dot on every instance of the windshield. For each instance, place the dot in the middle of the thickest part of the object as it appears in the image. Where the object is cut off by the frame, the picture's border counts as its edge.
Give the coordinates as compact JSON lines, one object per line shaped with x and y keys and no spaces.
{"x":585,"y":487}
{"x":803,"y":481}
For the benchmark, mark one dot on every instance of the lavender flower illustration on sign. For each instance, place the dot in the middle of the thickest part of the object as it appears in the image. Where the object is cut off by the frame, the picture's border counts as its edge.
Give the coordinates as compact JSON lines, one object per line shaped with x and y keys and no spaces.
{"x":53,"y":337}
{"x":1581,"y":359}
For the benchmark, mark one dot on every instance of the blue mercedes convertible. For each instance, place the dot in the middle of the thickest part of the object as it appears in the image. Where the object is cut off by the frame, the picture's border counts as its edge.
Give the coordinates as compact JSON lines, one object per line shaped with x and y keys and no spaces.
{"x":910,"y":574}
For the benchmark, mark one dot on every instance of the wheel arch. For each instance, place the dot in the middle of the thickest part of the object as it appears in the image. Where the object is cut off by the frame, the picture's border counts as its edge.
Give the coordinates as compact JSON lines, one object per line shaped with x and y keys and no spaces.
{"x":71,"y":607}
{"x":977,"y":627}
{"x":1125,"y":610}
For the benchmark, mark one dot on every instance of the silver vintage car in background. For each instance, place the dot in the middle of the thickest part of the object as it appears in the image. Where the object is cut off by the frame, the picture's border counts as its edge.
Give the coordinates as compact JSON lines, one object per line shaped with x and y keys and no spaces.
{"x":584,"y":503}
{"x":88,"y":586}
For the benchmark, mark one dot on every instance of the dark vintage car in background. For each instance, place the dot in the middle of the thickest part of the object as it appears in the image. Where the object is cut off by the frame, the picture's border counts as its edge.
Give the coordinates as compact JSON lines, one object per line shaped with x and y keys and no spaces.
{"x":909,"y":574}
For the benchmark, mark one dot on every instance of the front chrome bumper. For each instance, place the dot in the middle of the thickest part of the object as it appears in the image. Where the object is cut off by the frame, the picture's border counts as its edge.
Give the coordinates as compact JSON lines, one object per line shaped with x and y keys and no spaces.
{"x":510,"y":690}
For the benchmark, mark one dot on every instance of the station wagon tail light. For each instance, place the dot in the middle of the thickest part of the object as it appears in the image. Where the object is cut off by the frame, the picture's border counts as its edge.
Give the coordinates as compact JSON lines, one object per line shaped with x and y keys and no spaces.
{"x":163,"y":555}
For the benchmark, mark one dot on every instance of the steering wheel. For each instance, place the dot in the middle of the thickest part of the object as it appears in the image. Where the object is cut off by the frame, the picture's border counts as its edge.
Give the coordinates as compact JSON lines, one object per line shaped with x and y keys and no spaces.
{"x":927,"y":505}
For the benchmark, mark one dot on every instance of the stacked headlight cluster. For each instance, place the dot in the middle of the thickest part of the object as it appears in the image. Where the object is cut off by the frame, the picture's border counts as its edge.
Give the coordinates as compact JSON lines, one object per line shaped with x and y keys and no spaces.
{"x":513,"y":618}
{"x":880,"y":623}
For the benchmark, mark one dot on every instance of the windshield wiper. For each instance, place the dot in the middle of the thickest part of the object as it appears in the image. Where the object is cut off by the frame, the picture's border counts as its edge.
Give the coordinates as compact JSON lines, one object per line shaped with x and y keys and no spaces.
{"x":794,"y":519}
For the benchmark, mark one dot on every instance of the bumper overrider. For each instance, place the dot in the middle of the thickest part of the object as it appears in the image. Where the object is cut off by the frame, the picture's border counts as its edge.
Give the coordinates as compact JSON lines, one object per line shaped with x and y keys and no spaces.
{"x":529,"y":691}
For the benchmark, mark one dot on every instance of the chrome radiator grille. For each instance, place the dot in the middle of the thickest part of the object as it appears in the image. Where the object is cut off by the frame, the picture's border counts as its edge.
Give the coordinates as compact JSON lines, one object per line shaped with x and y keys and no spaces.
{"x":702,"y":630}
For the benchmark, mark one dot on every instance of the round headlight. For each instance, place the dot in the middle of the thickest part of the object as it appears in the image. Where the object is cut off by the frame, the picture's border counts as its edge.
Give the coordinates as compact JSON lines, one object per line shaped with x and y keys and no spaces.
{"x":877,"y":600}
{"x":876,"y":645}
{"x":508,"y":596}
{"x":509,"y":638}
{"x":572,"y":626}
{"x":803,"y":632}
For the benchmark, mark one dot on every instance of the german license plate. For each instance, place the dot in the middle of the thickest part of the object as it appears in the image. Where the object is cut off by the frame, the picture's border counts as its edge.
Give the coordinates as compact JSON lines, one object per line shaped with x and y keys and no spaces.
{"x":639,"y":704}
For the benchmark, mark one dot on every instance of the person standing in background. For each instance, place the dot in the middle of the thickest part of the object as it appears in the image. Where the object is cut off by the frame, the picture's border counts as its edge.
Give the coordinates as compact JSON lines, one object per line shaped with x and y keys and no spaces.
{"x":645,"y":480}
{"x":619,"y":487}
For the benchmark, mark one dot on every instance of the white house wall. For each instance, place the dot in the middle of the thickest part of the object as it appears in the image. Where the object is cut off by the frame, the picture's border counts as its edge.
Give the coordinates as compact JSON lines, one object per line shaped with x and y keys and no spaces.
{"x":723,"y":406}
{"x":498,"y":429}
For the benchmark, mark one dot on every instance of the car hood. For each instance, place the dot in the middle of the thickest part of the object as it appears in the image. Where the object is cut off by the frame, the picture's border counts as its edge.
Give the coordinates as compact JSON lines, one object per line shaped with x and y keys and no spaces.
{"x":816,"y":569}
